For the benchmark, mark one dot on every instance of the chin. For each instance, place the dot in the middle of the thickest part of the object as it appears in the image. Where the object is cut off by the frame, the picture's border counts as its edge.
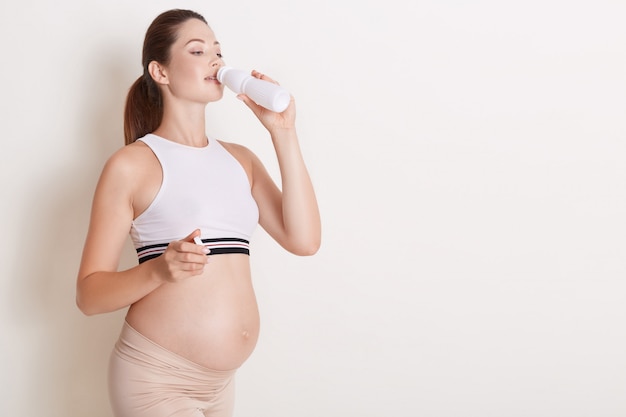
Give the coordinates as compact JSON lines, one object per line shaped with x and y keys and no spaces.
{"x":215,"y":97}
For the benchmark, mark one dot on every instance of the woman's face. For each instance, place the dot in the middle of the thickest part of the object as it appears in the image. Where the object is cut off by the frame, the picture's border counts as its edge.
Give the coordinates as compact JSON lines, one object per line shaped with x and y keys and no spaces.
{"x":195,"y":58}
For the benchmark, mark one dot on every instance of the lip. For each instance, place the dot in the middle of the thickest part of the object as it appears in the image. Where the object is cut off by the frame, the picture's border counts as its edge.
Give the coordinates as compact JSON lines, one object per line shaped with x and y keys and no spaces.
{"x":211,"y":78}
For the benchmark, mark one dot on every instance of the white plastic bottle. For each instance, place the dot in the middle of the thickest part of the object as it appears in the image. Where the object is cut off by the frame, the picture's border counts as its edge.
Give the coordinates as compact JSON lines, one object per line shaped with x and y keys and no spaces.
{"x":263,"y":93}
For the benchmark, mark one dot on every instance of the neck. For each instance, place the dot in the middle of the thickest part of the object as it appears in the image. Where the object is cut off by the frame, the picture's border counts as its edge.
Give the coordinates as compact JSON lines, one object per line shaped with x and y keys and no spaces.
{"x":184,"y":124}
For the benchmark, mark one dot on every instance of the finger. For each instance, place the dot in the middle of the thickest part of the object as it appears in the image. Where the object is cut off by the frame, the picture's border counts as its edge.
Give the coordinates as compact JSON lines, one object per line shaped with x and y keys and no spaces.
{"x":186,"y":270}
{"x":195,"y":266}
{"x":182,"y":253}
{"x":197,"y":247}
{"x":191,"y":236}
{"x":182,"y":248}
{"x":191,"y":248}
{"x":263,"y":77}
{"x":256,"y":109}
{"x":189,"y":265}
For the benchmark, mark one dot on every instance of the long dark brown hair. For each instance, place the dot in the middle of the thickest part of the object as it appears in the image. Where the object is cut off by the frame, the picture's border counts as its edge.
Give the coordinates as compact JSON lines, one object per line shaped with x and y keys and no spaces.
{"x":144,"y":104}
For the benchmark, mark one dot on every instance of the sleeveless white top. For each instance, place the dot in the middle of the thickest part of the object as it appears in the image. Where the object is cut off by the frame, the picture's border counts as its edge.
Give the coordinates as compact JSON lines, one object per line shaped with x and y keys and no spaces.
{"x":203,"y":188}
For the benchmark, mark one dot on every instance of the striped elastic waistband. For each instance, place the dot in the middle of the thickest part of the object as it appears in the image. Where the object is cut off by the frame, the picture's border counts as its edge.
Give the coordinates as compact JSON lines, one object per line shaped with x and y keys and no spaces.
{"x":218,"y":246}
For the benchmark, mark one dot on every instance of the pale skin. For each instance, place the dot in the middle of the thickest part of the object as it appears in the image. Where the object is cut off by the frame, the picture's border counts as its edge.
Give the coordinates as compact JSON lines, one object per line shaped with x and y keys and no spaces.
{"x":201,"y":307}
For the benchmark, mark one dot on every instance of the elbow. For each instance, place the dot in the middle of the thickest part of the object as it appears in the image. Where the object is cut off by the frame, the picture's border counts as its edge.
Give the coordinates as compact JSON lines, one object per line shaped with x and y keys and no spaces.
{"x":310,"y":250}
{"x":86,"y":307}
{"x":307,"y":248}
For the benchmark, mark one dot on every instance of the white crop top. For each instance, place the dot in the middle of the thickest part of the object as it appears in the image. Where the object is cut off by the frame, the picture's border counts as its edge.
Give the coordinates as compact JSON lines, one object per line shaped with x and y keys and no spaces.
{"x":203,"y":188}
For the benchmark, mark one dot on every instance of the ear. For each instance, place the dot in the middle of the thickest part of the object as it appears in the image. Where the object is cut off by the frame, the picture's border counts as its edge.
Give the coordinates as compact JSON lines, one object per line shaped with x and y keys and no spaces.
{"x":158,"y":73}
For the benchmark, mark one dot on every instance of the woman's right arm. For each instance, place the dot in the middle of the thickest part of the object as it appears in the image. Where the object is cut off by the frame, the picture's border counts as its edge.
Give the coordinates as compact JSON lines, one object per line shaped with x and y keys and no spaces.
{"x":100,"y":287}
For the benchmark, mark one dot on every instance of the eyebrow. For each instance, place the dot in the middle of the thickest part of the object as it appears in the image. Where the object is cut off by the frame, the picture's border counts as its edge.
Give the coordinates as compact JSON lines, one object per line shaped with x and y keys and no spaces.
{"x":200,"y":40}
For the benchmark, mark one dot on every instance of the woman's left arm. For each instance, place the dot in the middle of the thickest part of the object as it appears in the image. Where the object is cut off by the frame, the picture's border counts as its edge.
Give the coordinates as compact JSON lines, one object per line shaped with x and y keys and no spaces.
{"x":291,"y":215}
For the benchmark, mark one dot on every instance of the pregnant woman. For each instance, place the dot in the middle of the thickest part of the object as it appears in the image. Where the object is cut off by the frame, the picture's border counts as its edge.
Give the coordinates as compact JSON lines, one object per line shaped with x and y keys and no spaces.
{"x":192,"y":315}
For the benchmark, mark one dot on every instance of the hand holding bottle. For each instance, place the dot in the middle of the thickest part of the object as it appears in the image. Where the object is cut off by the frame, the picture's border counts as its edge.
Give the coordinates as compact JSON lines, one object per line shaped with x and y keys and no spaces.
{"x":266,"y":94}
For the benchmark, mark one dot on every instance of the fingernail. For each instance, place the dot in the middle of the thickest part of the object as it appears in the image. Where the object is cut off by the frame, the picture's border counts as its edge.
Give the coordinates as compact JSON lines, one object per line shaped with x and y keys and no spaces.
{"x":206,"y":250}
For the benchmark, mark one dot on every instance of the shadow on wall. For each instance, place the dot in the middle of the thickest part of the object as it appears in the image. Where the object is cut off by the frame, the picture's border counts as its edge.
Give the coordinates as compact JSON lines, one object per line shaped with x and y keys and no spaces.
{"x":69,"y":360}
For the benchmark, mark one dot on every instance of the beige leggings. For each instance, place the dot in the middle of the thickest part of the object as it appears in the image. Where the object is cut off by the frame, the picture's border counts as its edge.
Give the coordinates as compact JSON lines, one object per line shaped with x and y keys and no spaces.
{"x":147,"y":380}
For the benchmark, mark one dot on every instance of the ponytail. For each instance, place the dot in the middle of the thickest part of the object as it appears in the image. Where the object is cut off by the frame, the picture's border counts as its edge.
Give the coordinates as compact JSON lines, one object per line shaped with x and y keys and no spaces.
{"x":144,"y":109}
{"x":144,"y":104}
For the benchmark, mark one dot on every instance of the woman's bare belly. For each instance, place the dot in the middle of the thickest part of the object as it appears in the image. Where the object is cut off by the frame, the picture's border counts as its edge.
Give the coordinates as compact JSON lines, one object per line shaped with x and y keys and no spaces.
{"x":211,"y":319}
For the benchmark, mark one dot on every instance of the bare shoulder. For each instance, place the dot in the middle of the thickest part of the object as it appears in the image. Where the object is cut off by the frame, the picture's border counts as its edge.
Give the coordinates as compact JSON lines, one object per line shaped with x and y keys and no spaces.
{"x":131,"y":159}
{"x":132,"y":176}
{"x":243,"y":155}
{"x":237,"y":150}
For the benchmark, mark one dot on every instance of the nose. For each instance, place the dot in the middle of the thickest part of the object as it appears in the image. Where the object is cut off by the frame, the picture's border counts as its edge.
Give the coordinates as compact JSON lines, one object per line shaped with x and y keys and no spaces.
{"x":217,"y":62}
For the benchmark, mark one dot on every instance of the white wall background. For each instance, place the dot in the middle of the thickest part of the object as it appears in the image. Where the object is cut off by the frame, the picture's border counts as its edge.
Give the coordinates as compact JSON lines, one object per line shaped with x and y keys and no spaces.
{"x":469,"y":159}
